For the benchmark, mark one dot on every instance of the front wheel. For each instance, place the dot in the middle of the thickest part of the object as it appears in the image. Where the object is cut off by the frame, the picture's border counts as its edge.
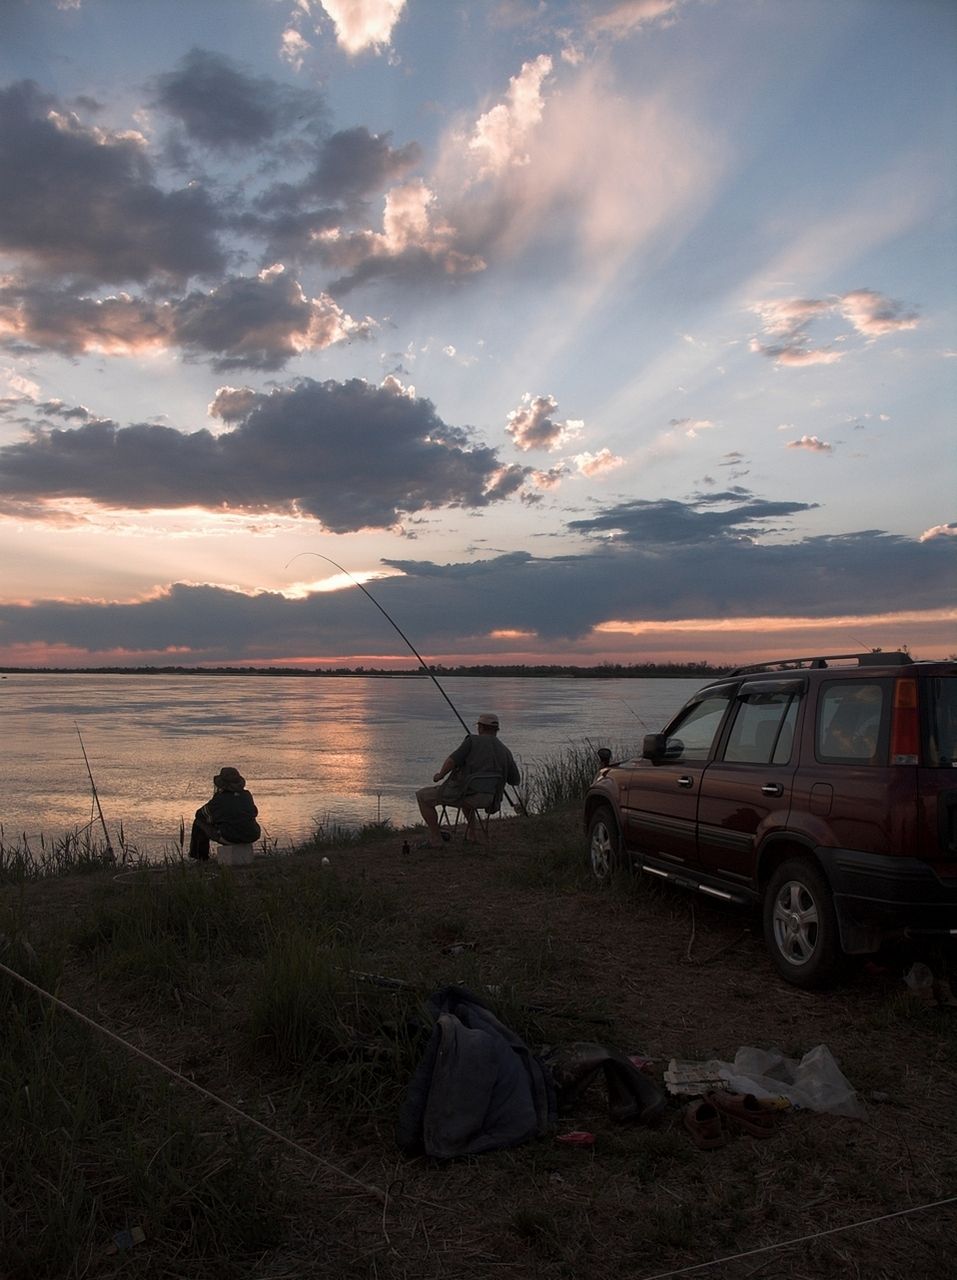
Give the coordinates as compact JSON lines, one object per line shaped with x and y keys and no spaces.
{"x":604,"y":845}
{"x":800,"y":925}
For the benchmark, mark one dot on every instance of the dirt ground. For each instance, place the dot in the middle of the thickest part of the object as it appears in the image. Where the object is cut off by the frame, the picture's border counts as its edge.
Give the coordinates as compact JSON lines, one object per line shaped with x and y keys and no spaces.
{"x":651,"y":971}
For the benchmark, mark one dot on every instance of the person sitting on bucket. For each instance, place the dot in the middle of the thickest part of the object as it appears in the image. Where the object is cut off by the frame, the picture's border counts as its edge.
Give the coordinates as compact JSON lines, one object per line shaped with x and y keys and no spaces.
{"x":228,"y":818}
{"x":480,"y":752}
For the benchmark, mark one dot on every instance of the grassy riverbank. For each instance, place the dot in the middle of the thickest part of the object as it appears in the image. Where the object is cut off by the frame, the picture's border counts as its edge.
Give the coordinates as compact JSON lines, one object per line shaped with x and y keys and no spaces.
{"x":261,"y":986}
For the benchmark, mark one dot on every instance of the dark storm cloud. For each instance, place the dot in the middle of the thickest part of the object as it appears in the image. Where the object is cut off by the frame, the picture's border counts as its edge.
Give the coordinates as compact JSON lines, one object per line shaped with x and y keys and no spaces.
{"x":219,"y":105}
{"x":348,"y":454}
{"x":455,"y":607}
{"x":667,"y":521}
{"x":80,"y":201}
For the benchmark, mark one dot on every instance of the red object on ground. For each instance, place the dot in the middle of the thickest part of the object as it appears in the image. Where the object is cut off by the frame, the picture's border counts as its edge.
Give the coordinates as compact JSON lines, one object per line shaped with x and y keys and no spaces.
{"x":577,"y":1138}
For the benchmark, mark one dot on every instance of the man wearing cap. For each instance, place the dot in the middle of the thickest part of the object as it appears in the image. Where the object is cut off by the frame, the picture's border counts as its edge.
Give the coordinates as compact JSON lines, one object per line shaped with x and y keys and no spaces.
{"x":228,"y":818}
{"x":479,"y":753}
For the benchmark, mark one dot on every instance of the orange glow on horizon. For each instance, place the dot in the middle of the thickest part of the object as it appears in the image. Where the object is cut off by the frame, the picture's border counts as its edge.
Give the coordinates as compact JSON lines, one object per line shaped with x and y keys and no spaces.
{"x":616,"y":626}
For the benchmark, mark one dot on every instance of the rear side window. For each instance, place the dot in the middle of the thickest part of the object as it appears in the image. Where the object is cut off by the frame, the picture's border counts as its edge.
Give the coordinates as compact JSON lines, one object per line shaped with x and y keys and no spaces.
{"x":850,"y":722}
{"x":942,"y":722}
{"x":763,"y":729}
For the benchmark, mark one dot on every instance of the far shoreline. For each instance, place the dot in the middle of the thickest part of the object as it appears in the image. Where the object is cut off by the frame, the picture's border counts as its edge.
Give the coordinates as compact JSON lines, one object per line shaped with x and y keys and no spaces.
{"x":603,"y":671}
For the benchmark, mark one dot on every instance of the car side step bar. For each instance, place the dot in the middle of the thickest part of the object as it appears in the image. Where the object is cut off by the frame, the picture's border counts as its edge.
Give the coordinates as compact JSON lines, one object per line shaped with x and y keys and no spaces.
{"x":684,"y":882}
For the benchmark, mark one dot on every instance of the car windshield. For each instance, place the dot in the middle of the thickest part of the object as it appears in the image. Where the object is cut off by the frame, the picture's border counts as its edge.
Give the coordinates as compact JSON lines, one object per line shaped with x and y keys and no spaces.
{"x":941,"y":750}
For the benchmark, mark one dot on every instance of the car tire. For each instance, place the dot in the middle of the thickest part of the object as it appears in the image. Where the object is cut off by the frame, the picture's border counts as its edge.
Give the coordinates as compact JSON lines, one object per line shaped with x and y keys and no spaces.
{"x":800,"y":924}
{"x":604,"y":844}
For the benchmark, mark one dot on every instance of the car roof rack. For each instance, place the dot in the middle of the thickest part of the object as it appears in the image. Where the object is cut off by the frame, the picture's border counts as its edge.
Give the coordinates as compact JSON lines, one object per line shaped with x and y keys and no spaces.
{"x":872,"y":658}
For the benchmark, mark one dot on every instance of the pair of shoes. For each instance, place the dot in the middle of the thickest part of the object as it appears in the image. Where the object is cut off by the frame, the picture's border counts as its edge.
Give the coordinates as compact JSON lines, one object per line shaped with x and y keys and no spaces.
{"x":703,"y":1121}
{"x":744,"y":1110}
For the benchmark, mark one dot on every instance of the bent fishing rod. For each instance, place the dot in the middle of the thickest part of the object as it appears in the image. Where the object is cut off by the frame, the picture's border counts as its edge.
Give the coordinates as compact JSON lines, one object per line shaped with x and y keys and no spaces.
{"x":516,"y":803}
{"x":96,"y":795}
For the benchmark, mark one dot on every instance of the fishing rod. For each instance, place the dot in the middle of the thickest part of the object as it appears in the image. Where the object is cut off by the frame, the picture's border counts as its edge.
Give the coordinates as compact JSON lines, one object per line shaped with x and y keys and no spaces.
{"x":96,"y":796}
{"x":517,"y":803}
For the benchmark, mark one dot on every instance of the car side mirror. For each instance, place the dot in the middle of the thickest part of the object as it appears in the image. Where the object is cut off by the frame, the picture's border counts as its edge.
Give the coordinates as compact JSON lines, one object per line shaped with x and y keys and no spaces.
{"x":653,"y":746}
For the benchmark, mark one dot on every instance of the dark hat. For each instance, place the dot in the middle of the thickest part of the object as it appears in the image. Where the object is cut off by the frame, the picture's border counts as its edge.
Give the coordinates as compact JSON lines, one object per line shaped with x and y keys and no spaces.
{"x":229,"y":779}
{"x":489,"y":719}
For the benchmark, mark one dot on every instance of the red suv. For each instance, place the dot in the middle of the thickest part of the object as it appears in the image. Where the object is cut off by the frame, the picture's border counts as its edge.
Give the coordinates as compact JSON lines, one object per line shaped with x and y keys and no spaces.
{"x":823,"y":790}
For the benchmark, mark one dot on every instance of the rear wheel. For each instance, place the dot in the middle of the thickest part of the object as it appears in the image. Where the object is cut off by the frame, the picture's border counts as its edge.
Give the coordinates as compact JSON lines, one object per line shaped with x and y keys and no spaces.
{"x":800,"y":925}
{"x":604,"y":844}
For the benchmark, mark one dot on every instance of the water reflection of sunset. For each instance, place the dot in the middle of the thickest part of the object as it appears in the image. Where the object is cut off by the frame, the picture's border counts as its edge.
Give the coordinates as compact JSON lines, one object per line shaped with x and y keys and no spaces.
{"x":336,"y":751}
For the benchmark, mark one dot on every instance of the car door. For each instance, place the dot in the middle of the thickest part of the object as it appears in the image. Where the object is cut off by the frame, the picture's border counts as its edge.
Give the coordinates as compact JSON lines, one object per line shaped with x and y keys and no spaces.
{"x":746,"y":790}
{"x":660,"y":808}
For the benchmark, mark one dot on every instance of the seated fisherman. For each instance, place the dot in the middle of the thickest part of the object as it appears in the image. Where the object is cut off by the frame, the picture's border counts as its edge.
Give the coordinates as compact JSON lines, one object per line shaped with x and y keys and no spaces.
{"x":228,"y":818}
{"x":480,"y":752}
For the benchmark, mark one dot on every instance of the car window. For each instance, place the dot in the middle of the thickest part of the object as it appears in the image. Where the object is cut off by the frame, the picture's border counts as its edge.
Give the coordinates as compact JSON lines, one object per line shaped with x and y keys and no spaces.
{"x":763,"y":729}
{"x":849,"y":722}
{"x":692,"y":735}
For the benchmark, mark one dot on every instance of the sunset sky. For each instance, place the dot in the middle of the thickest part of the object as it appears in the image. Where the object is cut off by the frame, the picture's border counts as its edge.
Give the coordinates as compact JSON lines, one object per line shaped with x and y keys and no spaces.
{"x":579,"y":332}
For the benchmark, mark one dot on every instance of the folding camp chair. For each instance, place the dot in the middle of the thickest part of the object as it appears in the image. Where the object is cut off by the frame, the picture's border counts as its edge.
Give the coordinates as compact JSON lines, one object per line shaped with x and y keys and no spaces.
{"x":482,"y":793}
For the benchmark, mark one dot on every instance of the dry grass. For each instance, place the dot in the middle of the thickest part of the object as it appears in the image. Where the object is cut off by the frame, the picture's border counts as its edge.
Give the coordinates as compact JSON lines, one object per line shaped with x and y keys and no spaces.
{"x":628,"y":965}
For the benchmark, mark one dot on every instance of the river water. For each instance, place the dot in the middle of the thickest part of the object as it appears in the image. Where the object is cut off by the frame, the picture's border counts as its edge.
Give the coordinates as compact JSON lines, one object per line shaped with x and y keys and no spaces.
{"x":315,"y":751}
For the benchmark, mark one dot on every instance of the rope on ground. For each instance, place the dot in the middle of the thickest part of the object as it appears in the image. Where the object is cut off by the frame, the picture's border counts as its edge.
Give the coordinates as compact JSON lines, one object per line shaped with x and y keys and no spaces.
{"x":788,"y":1244}
{"x":191,"y":1084}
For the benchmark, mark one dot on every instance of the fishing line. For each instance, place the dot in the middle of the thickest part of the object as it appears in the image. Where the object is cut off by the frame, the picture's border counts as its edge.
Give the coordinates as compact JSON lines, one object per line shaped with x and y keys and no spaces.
{"x":424,"y":665}
{"x":191,"y":1084}
{"x":517,"y":803}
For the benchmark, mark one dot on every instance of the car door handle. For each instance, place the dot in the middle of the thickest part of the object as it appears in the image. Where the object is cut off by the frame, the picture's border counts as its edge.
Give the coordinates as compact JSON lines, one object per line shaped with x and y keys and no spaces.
{"x":685,"y":781}
{"x":772,"y":789}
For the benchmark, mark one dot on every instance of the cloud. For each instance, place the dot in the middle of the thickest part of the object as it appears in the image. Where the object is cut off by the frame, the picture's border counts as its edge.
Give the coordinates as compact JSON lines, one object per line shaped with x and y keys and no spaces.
{"x":258,"y":322}
{"x":221,"y":106}
{"x":691,"y":426}
{"x":572,"y":164}
{"x":626,"y":16}
{"x":596,"y":464}
{"x":532,"y":427}
{"x":286,"y":455}
{"x":261,"y":322}
{"x":939,"y":531}
{"x":501,"y":134}
{"x":348,"y":166}
{"x":789,"y":319}
{"x":811,"y":443}
{"x":873,"y":315}
{"x":71,"y":324}
{"x":550,"y":479}
{"x":458,"y":607}
{"x":410,"y":246}
{"x":363,"y":24}
{"x":293,"y":47}
{"x":666,"y":521}
{"x":81,"y":201}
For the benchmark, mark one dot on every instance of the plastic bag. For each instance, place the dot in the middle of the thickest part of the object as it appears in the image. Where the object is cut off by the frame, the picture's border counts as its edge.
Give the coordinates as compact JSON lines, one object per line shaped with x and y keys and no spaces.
{"x":815,"y":1082}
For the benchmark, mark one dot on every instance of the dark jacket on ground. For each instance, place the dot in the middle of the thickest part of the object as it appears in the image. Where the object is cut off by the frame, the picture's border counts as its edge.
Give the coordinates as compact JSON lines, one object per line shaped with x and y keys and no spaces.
{"x":478,"y":1088}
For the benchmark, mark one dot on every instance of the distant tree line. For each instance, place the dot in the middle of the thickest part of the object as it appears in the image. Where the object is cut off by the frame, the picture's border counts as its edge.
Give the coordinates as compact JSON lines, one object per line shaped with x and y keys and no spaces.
{"x":607,"y":670}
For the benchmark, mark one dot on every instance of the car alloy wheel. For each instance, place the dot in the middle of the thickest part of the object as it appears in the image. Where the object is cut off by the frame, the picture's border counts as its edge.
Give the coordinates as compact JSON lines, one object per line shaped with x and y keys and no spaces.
{"x":795,"y":922}
{"x":603,"y":843}
{"x":800,"y":926}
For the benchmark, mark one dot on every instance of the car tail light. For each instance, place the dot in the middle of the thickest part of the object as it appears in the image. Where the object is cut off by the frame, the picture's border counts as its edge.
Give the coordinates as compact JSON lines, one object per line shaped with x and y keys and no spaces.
{"x":905,"y":730}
